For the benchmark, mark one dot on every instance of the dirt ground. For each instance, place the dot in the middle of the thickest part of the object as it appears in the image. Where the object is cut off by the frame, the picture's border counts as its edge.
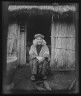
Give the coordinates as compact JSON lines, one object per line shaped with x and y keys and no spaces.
{"x":57,"y":80}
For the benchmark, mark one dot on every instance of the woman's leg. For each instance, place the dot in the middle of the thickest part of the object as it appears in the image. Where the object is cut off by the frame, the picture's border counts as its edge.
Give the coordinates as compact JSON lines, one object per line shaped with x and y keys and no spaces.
{"x":33,"y":68}
{"x":44,"y":68}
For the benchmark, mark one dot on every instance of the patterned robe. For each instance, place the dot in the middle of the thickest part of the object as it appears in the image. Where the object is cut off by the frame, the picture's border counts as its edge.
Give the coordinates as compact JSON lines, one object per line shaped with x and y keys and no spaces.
{"x":37,"y":67}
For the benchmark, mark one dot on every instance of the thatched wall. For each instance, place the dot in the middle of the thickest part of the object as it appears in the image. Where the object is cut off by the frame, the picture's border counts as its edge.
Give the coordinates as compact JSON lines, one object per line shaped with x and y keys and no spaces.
{"x":16,"y":43}
{"x":12,"y":39}
{"x":63,"y":45}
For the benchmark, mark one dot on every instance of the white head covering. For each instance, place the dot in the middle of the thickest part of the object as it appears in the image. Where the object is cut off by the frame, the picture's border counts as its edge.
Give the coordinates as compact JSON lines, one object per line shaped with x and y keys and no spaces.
{"x":35,"y":41}
{"x":38,"y":35}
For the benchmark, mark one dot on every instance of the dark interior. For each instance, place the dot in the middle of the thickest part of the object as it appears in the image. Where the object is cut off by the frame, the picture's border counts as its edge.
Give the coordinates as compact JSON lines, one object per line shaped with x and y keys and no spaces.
{"x":38,"y":24}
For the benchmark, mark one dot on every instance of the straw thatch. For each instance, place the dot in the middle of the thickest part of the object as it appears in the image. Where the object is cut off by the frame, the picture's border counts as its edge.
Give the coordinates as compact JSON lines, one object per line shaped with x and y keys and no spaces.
{"x":16,"y":43}
{"x":59,"y":8}
{"x":63,"y":45}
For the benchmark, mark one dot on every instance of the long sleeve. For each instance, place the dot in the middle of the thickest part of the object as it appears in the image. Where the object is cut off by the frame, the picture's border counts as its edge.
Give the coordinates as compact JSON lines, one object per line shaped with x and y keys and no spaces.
{"x":32,"y":52}
{"x":45,"y":51}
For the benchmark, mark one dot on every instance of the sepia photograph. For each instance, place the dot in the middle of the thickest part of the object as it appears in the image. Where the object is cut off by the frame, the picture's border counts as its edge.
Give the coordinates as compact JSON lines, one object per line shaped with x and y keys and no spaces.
{"x":40,"y":48}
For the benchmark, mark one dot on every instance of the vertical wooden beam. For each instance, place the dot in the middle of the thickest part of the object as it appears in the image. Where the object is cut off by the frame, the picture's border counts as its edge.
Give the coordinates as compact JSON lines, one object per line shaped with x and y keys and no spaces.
{"x":25,"y":44}
{"x":18,"y":45}
{"x":23,"y":47}
{"x":52,"y":42}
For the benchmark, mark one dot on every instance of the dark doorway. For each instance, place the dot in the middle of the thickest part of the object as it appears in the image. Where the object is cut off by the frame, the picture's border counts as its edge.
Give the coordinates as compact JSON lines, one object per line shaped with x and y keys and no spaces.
{"x":38,"y":24}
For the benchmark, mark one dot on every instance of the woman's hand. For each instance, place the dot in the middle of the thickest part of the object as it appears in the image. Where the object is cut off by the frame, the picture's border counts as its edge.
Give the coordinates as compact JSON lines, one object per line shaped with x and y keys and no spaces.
{"x":40,"y":58}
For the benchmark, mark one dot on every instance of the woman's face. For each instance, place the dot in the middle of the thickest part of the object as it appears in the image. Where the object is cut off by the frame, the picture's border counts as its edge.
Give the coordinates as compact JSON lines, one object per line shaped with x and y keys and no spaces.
{"x":39,"y":40}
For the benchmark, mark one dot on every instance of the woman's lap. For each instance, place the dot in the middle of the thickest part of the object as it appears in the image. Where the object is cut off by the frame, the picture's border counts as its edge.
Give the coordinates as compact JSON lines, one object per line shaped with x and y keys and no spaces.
{"x":37,"y":67}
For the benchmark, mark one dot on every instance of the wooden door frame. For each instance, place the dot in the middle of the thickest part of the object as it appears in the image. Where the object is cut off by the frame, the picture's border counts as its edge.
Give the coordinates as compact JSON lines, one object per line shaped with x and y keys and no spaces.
{"x":22,"y":58}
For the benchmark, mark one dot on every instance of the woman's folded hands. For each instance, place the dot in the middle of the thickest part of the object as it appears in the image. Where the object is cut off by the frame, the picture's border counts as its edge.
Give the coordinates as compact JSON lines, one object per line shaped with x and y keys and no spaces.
{"x":40,"y":58}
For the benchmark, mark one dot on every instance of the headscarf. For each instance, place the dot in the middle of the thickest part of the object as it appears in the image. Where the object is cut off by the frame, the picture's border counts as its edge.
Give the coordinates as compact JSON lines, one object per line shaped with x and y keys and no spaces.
{"x":38,"y":35}
{"x":35,"y":42}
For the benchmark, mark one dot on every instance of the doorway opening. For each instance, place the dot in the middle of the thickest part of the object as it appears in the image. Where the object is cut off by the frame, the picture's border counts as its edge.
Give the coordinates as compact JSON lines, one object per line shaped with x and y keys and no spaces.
{"x":38,"y":24}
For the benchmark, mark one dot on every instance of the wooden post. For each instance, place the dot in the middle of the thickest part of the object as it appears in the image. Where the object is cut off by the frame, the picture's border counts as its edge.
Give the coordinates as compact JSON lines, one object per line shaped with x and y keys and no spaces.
{"x":18,"y":45}
{"x":52,"y":42}
{"x":23,"y":47}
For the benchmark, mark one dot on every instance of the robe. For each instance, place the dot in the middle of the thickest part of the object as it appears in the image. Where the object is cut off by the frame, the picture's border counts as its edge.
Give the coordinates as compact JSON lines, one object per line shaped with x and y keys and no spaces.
{"x":37,"y":67}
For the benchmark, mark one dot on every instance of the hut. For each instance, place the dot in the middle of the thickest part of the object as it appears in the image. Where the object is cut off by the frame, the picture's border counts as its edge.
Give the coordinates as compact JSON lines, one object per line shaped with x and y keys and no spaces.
{"x":56,"y":22}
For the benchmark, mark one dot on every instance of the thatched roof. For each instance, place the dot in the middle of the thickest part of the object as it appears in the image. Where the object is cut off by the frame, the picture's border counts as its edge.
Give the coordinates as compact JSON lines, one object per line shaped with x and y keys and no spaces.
{"x":57,"y":8}
{"x":62,"y":11}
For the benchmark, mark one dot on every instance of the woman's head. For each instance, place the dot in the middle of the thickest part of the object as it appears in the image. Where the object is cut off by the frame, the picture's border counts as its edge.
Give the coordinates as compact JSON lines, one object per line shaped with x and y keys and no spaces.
{"x":39,"y":40}
{"x":39,"y":35}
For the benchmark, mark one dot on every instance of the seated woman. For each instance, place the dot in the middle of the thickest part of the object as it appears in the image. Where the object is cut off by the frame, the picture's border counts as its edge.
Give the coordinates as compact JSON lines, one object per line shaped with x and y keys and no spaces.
{"x":39,"y":57}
